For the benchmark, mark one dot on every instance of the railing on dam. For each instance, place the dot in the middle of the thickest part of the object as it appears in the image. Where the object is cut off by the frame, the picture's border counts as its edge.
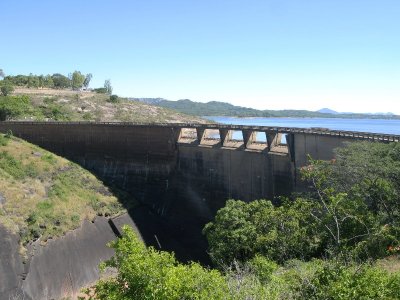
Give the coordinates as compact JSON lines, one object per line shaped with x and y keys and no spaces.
{"x":268,"y":129}
{"x":276,"y":140}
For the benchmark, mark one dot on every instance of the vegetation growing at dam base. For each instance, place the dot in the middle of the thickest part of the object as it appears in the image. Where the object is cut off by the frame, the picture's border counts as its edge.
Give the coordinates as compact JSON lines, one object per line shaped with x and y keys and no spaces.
{"x":334,"y":242}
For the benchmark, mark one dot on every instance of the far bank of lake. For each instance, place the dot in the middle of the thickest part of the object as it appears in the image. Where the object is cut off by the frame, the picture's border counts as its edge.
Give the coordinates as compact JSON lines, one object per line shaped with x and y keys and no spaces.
{"x":387,"y":126}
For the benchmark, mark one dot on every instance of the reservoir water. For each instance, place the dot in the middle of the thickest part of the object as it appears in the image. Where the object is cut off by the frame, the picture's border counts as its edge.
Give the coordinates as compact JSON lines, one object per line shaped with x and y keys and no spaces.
{"x":364,"y":125}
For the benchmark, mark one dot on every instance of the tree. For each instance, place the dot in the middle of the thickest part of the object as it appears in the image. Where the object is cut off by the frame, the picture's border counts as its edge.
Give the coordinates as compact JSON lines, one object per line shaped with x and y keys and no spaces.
{"x":108,"y":87}
{"x":18,"y":80}
{"x":6,"y":89}
{"x":48,"y":81}
{"x":77,"y":80}
{"x":242,"y":230}
{"x":145,"y":273}
{"x":41,"y":81}
{"x":351,"y":210}
{"x":12,"y":107}
{"x":60,"y":81}
{"x":33,"y":81}
{"x":356,"y":198}
{"x":88,"y":78}
{"x":370,"y":171}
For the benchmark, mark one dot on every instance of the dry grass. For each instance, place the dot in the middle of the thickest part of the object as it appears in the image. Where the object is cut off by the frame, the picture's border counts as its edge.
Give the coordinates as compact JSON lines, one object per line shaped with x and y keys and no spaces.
{"x":45,"y":195}
{"x":390,"y":263}
{"x":90,"y":106}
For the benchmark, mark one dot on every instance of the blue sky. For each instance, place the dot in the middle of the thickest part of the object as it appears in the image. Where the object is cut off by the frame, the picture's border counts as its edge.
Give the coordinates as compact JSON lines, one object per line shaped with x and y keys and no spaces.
{"x":270,"y":54}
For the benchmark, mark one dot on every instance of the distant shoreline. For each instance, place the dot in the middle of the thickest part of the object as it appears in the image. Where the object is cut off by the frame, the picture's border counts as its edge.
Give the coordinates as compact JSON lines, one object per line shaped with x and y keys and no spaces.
{"x":378,"y":117}
{"x":380,"y":126}
{"x":223,"y":109}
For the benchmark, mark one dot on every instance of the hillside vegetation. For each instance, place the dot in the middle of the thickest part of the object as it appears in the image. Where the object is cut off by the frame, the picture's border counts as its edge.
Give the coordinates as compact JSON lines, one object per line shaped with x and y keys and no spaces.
{"x":68,"y":105}
{"x":43,"y":195}
{"x":57,"y":97}
{"x":216,"y":108}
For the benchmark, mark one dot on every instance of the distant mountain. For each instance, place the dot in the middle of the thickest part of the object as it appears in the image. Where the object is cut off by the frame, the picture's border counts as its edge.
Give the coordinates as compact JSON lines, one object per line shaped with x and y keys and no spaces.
{"x":330,"y":111}
{"x":153,"y":101}
{"x":382,"y":114}
{"x":327,"y":111}
{"x":216,"y":108}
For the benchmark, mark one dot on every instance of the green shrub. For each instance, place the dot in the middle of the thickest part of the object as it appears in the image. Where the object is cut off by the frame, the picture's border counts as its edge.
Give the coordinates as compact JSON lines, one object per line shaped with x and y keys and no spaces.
{"x":45,"y":205}
{"x":31,"y":170}
{"x":114,"y":99}
{"x":101,"y":90}
{"x":262,"y":267}
{"x":11,"y":166}
{"x":242,"y":230}
{"x":9,"y":134}
{"x":6,"y":89}
{"x":55,"y":112}
{"x":49,"y":158}
{"x":87,"y":116}
{"x":358,"y":198}
{"x":58,"y":190}
{"x":4,"y":140}
{"x":12,"y":107}
{"x":145,"y":273}
{"x":337,"y":281}
{"x":75,"y":218}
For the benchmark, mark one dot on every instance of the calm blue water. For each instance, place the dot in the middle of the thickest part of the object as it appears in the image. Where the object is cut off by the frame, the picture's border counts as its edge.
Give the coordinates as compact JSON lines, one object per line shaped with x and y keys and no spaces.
{"x":364,"y":125}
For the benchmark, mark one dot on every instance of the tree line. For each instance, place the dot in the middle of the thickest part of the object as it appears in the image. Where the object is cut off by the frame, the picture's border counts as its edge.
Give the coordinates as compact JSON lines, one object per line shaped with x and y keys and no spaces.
{"x":75,"y":81}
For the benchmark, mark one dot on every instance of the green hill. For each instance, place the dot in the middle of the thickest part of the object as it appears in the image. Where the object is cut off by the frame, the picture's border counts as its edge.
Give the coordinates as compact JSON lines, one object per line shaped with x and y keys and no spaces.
{"x":216,"y":108}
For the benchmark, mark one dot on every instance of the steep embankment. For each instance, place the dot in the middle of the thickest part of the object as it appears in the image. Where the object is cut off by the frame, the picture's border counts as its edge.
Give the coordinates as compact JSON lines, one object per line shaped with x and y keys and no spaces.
{"x":53,"y":229}
{"x":43,"y":195}
{"x":67,"y":105}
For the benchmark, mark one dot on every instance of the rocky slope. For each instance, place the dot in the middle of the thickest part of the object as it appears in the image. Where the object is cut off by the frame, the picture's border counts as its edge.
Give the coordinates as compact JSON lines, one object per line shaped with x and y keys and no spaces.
{"x":67,"y":105}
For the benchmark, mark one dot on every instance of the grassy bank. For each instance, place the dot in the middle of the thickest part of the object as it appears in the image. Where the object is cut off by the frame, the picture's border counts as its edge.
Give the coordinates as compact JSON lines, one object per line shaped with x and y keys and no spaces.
{"x":43,"y":195}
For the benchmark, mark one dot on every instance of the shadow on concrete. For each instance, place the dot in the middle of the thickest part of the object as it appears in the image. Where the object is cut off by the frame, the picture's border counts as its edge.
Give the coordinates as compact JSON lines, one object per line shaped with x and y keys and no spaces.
{"x":182,"y":238}
{"x":179,"y":230}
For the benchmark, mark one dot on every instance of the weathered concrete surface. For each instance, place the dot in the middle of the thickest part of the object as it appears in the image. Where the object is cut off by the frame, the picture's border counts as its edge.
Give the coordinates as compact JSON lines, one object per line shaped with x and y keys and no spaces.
{"x":317,"y":146}
{"x":211,"y":176}
{"x":11,"y":267}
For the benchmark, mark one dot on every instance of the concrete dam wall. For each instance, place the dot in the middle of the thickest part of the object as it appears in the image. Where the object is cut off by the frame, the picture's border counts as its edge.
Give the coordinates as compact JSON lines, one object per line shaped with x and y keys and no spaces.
{"x":189,"y":169}
{"x":155,"y":161}
{"x":181,"y":173}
